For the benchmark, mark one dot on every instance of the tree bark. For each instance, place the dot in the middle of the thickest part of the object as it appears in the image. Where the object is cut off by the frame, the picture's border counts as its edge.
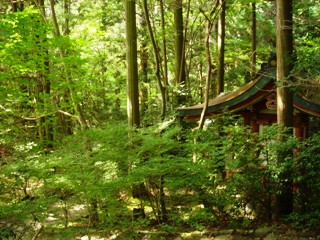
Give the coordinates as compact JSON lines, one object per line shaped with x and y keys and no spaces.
{"x":66,"y":8}
{"x":157,"y":58}
{"x":179,"y":53}
{"x":54,"y":19}
{"x":132,"y":65}
{"x":284,"y":62}
{"x":284,"y":201}
{"x":253,"y":41}
{"x":221,"y":46}
{"x":144,"y":78}
{"x":164,"y":46}
{"x":209,"y":70}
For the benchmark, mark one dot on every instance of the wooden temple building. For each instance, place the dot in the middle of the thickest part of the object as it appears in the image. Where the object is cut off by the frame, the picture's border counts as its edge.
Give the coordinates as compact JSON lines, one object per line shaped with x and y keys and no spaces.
{"x":256,"y":102}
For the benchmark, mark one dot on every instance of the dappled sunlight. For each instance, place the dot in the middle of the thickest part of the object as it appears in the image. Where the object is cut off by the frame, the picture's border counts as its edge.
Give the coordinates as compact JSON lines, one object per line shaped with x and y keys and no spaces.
{"x":73,"y":166}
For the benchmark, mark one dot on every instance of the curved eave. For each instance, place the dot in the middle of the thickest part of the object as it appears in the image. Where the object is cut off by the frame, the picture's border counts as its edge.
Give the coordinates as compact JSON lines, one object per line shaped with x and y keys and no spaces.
{"x":239,"y":99}
{"x":306,"y":106}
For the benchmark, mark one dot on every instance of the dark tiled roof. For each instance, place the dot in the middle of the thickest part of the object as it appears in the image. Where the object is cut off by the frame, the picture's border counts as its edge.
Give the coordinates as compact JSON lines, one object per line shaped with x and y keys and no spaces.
{"x":247,"y":95}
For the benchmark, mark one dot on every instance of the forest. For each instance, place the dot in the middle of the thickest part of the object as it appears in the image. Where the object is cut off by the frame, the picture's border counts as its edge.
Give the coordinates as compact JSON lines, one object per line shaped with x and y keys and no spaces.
{"x":96,"y":138}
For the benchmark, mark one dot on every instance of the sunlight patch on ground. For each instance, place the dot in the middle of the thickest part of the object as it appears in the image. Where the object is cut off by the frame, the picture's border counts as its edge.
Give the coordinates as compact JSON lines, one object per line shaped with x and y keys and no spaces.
{"x":51,"y":218}
{"x":91,"y":238}
{"x":194,"y":235}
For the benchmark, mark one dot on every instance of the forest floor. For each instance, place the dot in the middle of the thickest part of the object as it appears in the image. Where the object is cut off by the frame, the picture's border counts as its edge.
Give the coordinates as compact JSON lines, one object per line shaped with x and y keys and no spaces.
{"x":260,"y":233}
{"x":78,"y":229}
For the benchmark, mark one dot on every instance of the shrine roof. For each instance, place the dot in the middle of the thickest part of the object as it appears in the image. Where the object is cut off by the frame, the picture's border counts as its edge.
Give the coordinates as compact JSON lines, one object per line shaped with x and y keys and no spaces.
{"x":247,"y":95}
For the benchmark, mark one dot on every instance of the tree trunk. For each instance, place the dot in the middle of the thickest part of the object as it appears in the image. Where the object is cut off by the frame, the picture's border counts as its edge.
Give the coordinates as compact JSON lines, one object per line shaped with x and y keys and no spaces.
{"x":54,"y":19}
{"x":253,"y":40}
{"x":145,"y":86}
{"x":284,"y":97}
{"x":164,"y":47}
{"x":77,"y":107}
{"x":209,"y":26}
{"x":43,"y":88}
{"x":17,"y":6}
{"x":179,"y":53}
{"x":157,"y":58}
{"x":221,"y":45}
{"x":132,"y":65}
{"x":66,"y":8}
{"x":164,"y":213}
{"x":209,"y":70}
{"x":284,"y":62}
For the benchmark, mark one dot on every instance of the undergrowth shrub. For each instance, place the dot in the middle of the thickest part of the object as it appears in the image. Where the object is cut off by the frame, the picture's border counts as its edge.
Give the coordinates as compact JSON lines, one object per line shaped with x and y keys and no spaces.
{"x":158,"y":176}
{"x":307,"y":184}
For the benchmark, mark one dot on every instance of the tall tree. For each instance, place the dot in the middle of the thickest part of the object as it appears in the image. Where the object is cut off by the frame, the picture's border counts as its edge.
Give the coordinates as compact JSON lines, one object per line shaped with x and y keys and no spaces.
{"x":221,"y":47}
{"x":164,"y":46}
{"x":253,"y":40}
{"x":284,"y":61}
{"x":209,"y":27}
{"x":284,"y":41}
{"x":44,"y":89}
{"x":161,"y":80}
{"x":144,"y":78}
{"x":70,"y":95}
{"x":132,"y":65}
{"x":180,"y":74}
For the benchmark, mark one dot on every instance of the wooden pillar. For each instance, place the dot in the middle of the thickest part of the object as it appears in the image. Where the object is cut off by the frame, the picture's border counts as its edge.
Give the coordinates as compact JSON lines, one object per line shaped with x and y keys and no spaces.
{"x":299,"y":132}
{"x":246,"y":119}
{"x":306,"y":128}
{"x":301,"y":127}
{"x":255,"y":127}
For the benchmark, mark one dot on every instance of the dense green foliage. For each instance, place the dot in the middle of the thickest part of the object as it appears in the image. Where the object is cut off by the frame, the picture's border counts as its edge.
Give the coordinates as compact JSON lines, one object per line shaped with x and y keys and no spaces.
{"x":95,"y":180}
{"x":69,"y":165}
